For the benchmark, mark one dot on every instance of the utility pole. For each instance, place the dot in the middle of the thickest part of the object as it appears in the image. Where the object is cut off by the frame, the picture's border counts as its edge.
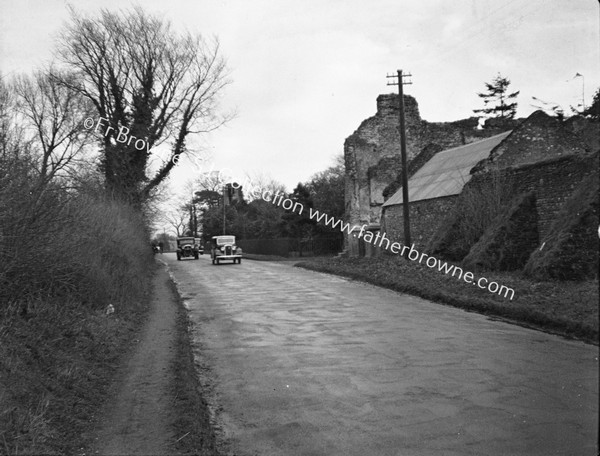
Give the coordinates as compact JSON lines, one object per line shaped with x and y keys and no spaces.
{"x":195,"y":200}
{"x":195,"y":220}
{"x":400,"y":83}
{"x":224,"y":218}
{"x":579,"y":75}
{"x":193,"y":215}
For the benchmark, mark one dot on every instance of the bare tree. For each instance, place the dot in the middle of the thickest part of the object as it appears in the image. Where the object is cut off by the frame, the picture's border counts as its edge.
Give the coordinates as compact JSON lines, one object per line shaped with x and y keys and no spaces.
{"x":39,"y":139}
{"x":177,"y":219}
{"x":212,"y":181}
{"x":12,"y":134}
{"x":52,"y":114}
{"x":257,"y":183}
{"x":147,"y":83}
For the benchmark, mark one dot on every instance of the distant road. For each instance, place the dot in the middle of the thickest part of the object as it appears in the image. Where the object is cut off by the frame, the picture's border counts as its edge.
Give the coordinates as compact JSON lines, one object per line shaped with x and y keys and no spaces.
{"x":297,"y":362}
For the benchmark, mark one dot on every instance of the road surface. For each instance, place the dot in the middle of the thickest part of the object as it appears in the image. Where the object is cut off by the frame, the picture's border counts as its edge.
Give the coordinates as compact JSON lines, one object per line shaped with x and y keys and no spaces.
{"x":297,"y":362}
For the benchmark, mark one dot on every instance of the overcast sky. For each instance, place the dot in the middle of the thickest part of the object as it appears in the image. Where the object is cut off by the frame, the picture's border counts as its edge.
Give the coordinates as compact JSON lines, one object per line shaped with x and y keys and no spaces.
{"x":307,"y":72}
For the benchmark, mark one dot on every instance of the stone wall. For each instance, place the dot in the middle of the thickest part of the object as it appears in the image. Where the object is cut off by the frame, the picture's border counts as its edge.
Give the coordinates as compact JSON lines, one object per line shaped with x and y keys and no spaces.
{"x":380,"y":176}
{"x":570,"y":250}
{"x":425,"y":218}
{"x":553,"y":182}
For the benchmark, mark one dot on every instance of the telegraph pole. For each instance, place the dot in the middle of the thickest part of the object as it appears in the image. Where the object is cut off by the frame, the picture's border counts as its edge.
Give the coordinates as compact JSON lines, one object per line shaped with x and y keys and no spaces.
{"x":224,"y":217}
{"x":400,"y":83}
{"x":195,"y":220}
{"x":582,"y":90}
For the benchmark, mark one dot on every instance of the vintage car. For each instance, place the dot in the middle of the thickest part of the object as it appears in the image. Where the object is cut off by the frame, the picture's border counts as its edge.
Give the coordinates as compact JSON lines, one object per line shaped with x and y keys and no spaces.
{"x":224,"y":248}
{"x":200,"y":245}
{"x":186,"y":248}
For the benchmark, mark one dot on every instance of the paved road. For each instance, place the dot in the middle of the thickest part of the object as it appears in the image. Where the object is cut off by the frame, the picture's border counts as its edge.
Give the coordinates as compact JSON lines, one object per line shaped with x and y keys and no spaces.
{"x":303,"y":363}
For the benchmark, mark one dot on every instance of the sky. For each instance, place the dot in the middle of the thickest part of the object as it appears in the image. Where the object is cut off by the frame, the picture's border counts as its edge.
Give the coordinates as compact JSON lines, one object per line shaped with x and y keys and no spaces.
{"x":306,"y":73}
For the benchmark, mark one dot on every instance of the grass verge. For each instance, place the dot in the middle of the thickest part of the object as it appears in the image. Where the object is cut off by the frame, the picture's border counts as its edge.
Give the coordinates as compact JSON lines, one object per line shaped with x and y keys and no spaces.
{"x":566,"y":308}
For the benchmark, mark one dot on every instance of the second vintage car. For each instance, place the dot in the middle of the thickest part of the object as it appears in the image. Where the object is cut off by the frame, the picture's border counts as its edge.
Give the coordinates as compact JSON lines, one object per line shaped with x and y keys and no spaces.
{"x":224,"y":248}
{"x":186,"y":248}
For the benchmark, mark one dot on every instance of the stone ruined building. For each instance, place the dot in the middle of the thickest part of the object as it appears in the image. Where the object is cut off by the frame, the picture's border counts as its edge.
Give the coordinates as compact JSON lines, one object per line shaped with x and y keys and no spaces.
{"x":373,"y":163}
{"x":547,"y":173}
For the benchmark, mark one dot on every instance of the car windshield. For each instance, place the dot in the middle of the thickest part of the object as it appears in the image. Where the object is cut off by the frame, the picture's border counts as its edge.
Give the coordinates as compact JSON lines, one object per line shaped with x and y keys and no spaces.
{"x":185,"y":241}
{"x":222,"y":240}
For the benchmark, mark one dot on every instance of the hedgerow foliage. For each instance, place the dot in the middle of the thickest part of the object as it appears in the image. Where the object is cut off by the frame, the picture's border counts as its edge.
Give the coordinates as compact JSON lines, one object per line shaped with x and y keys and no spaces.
{"x":65,"y":254}
{"x":55,"y":242}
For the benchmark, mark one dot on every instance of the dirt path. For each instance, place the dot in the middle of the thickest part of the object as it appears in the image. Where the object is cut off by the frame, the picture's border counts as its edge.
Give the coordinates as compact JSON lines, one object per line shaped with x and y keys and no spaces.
{"x":139,"y":417}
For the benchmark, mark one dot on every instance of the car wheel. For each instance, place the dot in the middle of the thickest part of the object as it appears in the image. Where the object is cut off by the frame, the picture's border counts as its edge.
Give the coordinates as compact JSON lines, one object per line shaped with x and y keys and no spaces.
{"x":218,"y":261}
{"x":239,"y":261}
{"x":178,"y":257}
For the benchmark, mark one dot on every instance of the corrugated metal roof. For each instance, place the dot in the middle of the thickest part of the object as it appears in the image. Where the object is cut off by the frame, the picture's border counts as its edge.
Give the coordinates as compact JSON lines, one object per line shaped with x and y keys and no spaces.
{"x":447,"y":172}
